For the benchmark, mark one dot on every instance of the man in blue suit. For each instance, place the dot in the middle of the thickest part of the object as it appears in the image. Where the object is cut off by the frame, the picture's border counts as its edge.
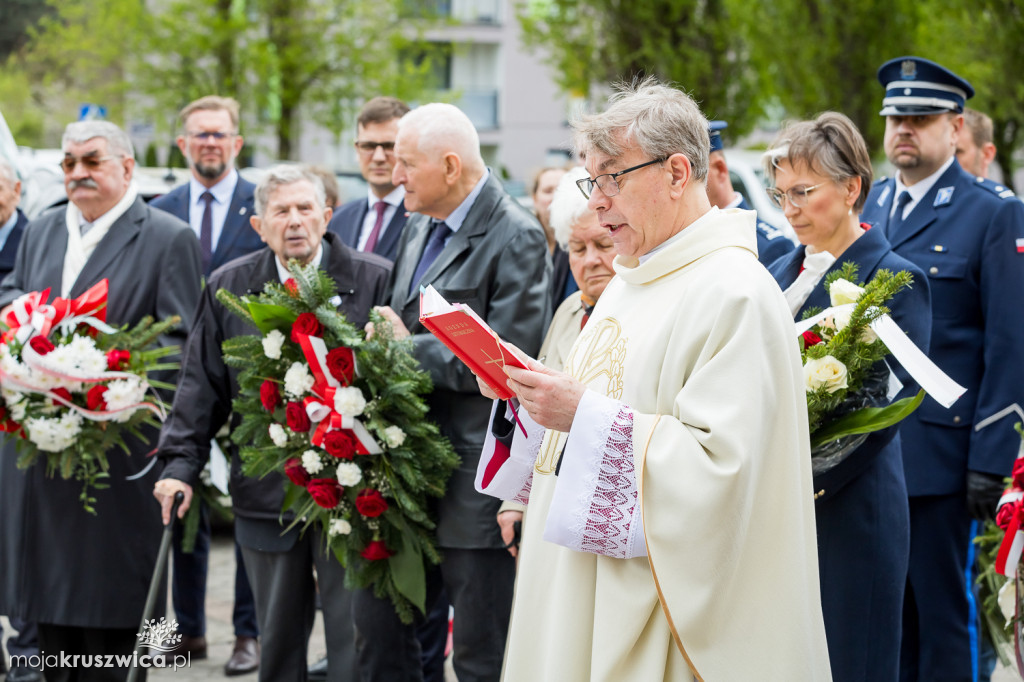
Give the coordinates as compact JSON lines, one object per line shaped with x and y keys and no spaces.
{"x":967,"y":234}
{"x":374,"y":223}
{"x":772,"y":242}
{"x":217,"y":203}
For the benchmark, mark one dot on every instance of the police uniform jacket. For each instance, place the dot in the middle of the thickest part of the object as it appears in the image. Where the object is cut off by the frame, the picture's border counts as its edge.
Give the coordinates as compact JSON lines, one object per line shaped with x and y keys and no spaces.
{"x":967,"y":235}
{"x":772,"y":242}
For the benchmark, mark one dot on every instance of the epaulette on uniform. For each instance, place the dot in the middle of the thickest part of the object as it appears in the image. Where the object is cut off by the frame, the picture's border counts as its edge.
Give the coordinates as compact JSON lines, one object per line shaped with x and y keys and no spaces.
{"x":1001,"y":191}
{"x":769,"y":230}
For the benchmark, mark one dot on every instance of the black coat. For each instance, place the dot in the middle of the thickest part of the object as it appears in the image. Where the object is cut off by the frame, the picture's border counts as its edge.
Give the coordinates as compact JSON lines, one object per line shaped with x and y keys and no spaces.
{"x":498,"y":264}
{"x":207,"y":386}
{"x":59,"y":564}
{"x":10,"y":250}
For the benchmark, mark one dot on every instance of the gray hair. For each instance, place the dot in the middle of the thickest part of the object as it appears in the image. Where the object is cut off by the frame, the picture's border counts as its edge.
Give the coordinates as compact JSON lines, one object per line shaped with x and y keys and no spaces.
{"x":8,"y":171}
{"x":444,"y":128}
{"x":284,"y":174}
{"x":830,"y":145}
{"x":659,"y":119}
{"x":118,"y":141}
{"x":568,"y":205}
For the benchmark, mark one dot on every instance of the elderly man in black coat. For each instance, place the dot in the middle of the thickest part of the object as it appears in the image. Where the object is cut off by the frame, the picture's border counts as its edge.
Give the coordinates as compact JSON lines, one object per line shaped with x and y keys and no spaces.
{"x":84,"y":578}
{"x":291,"y":217}
{"x":476,"y":245}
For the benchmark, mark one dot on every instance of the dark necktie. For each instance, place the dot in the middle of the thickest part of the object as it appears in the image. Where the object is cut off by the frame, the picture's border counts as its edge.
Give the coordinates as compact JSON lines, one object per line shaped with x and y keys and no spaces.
{"x":371,"y":241}
{"x":206,"y":232}
{"x":897,"y":218}
{"x":430,"y":253}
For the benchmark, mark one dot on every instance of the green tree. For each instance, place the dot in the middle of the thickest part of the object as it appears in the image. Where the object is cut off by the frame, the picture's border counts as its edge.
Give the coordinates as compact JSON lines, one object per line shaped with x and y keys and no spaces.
{"x":282,"y":59}
{"x":695,"y":44}
{"x":16,"y":16}
{"x":984,"y":42}
{"x":821,"y":55}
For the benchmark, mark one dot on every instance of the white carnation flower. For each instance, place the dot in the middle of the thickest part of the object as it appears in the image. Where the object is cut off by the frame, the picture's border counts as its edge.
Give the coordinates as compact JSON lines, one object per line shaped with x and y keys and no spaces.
{"x":17,"y":408}
{"x":297,"y":380}
{"x":844,"y":291}
{"x":272,"y":343}
{"x":827,"y":372}
{"x":54,"y":435}
{"x":339,"y":527}
{"x":124,"y":393}
{"x":349,"y":401}
{"x":278,"y":435}
{"x":349,"y":473}
{"x":311,"y":461}
{"x":394,"y":436}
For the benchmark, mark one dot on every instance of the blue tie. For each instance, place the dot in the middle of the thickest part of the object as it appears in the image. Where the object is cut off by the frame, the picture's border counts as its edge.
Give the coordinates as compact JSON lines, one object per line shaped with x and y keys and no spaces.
{"x":897,"y":218}
{"x":434,"y":247}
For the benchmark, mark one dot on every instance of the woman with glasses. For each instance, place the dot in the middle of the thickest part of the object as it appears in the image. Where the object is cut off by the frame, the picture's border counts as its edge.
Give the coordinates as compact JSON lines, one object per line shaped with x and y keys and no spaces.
{"x":821,"y":174}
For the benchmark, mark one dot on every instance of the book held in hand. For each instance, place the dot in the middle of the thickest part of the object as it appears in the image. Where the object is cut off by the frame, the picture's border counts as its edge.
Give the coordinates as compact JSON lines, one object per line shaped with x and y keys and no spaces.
{"x":468,"y":336}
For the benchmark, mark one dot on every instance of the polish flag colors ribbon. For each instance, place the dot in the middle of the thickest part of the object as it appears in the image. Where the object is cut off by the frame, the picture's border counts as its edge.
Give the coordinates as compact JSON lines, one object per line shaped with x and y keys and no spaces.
{"x":30,"y":312}
{"x":320,"y":406}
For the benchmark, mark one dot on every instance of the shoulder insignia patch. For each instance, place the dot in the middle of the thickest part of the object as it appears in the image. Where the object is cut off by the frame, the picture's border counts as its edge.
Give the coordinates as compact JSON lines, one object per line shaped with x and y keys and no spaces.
{"x":884,"y":195}
{"x":1001,"y":191}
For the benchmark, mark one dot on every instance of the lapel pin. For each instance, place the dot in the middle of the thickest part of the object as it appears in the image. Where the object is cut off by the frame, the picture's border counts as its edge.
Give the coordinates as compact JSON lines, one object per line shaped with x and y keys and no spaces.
{"x":938,"y":248}
{"x":241,"y":211}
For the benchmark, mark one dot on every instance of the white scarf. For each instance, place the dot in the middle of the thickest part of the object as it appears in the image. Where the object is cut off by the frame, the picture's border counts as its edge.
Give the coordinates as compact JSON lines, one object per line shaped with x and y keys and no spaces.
{"x":815,"y":267}
{"x":80,"y":248}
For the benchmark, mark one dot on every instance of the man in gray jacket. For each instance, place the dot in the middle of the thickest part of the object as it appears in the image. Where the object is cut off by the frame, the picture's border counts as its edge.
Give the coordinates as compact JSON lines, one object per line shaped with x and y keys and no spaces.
{"x":291,"y":218}
{"x":476,"y":245}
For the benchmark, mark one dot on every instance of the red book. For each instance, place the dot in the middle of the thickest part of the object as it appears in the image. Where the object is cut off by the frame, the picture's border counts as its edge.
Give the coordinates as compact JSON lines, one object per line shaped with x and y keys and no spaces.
{"x":469,"y":337}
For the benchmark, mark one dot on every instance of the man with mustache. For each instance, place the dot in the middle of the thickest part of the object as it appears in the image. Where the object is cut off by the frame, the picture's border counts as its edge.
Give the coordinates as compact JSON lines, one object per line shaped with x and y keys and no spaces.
{"x":82,"y":577}
{"x":217,"y":203}
{"x":967,"y":234}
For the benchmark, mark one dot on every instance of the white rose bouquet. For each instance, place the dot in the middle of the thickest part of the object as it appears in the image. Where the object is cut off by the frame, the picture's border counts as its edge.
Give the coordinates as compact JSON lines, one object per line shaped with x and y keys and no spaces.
{"x":343,"y":419}
{"x":847,"y":382}
{"x":74,"y":387}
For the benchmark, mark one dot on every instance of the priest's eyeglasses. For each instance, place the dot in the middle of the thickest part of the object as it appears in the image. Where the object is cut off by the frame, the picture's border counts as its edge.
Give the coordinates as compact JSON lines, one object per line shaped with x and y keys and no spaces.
{"x":796,"y":196}
{"x":607,"y":182}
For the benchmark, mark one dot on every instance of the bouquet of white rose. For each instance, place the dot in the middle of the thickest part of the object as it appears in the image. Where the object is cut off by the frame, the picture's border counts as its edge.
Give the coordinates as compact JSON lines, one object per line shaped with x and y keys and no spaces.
{"x":847,"y":384}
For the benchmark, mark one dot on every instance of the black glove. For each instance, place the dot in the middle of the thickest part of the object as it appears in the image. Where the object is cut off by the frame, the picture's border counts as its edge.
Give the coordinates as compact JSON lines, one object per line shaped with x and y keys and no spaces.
{"x":983,"y":493}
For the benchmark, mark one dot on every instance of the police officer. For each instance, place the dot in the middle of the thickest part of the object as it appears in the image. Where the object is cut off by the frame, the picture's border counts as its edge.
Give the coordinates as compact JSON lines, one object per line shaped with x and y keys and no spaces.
{"x":967,"y":234}
{"x":771,"y":241}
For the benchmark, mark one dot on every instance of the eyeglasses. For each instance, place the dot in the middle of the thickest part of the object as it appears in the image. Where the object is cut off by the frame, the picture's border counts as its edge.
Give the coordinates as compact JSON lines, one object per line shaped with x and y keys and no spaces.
{"x":796,"y":196}
{"x":210,"y":135}
{"x":610,"y":186}
{"x":369,"y":147}
{"x":91,"y":163}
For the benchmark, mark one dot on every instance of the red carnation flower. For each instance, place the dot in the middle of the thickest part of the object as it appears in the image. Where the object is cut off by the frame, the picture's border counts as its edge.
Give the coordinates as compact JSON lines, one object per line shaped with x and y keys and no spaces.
{"x":298,"y":420}
{"x":295,"y":472}
{"x":270,"y":395}
{"x":326,"y":492}
{"x":1005,"y":514}
{"x":292,"y":287}
{"x":118,"y":360}
{"x":340,"y":444}
{"x":94,"y":399}
{"x":811,"y":339}
{"x":306,"y":324}
{"x":375,"y":551}
{"x":341,"y":363}
{"x":63,"y":393}
{"x":371,"y":503}
{"x":41,"y":344}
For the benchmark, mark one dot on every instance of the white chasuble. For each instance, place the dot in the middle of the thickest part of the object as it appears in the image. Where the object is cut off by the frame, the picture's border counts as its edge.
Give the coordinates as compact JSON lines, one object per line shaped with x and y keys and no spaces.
{"x":689,"y":357}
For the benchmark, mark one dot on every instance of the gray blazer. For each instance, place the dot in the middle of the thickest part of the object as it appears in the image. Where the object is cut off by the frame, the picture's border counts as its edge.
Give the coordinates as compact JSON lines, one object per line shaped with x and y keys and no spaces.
{"x":61,"y":565}
{"x":498,"y":264}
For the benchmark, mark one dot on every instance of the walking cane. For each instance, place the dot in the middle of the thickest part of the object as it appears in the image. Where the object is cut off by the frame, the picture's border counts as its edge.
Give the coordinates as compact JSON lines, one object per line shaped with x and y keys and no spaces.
{"x":158,"y":574}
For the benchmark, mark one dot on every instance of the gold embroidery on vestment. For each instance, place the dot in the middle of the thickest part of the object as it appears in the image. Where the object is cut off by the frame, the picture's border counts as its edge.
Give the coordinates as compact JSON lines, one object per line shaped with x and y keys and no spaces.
{"x":597,"y":359}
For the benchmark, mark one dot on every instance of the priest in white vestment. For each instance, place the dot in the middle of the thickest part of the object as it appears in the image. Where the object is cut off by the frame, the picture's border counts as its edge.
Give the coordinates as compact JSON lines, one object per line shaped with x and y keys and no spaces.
{"x":671,"y":529}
